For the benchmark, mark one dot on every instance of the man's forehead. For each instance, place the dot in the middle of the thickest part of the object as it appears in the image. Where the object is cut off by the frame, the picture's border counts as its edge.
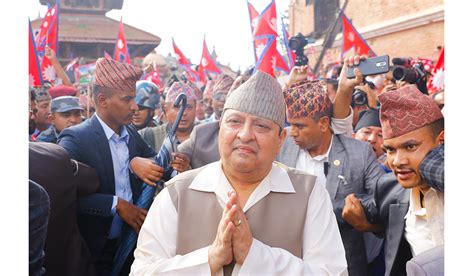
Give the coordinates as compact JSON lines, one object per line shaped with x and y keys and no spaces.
{"x":371,"y":128}
{"x":123,"y":93}
{"x":417,"y":136}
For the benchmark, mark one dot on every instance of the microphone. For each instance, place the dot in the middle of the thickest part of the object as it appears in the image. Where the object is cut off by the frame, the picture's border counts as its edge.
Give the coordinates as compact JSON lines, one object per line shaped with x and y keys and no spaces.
{"x":326,"y":169}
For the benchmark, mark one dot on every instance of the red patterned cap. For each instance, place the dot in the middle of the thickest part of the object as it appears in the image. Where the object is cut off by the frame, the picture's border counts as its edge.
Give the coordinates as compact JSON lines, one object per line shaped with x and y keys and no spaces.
{"x":178,"y":88}
{"x":307,"y":99}
{"x":113,"y":74}
{"x":208,"y":90}
{"x":406,"y":109}
{"x":222,"y":84}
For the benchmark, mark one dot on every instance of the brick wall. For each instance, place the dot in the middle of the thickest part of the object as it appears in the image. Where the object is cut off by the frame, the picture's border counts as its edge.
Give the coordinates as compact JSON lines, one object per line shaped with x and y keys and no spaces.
{"x":367,"y":12}
{"x":300,"y":18}
{"x":419,"y":41}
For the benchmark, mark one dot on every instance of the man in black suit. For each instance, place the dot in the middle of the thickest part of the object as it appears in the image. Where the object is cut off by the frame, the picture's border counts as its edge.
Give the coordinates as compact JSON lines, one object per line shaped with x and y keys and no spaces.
{"x":64,"y":180}
{"x":108,"y":143}
{"x":38,"y":214}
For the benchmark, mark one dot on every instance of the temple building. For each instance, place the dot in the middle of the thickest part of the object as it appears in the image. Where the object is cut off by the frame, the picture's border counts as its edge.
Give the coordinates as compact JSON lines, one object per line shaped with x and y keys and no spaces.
{"x":85,"y":31}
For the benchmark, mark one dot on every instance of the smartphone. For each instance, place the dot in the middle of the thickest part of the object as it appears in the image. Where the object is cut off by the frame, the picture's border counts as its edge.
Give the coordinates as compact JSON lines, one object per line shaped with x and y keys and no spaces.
{"x":371,"y":66}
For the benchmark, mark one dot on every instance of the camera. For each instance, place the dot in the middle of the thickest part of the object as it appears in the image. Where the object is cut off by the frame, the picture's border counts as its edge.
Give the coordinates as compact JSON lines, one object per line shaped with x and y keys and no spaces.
{"x":413,"y":72}
{"x":297,"y":44}
{"x":359,"y":97}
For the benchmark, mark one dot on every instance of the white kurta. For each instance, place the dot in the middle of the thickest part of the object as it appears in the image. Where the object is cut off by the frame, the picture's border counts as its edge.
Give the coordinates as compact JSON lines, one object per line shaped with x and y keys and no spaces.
{"x":323,"y":251}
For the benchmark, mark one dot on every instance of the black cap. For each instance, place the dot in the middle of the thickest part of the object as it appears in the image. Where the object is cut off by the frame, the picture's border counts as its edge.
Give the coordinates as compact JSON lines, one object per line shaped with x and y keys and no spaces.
{"x":368,"y":118}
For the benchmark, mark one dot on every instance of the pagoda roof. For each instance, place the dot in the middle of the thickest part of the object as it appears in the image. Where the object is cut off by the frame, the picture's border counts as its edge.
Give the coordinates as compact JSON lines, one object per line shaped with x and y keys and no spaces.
{"x":97,"y":28}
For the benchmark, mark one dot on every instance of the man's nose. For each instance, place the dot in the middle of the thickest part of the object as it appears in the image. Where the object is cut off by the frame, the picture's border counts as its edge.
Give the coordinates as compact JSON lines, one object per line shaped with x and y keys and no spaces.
{"x":246,"y":133}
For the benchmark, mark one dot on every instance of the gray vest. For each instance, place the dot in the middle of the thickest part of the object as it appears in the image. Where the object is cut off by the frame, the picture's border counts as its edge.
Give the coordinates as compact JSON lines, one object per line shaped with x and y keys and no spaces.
{"x":276,"y":220}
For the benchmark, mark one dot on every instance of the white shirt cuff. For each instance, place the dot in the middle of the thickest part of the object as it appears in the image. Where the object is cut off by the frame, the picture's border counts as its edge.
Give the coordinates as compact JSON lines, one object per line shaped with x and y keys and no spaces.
{"x":113,"y":211}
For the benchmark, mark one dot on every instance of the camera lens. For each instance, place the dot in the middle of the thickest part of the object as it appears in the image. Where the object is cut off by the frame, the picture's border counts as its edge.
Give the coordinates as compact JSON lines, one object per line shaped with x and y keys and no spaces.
{"x":359,"y":97}
{"x":404,"y":74}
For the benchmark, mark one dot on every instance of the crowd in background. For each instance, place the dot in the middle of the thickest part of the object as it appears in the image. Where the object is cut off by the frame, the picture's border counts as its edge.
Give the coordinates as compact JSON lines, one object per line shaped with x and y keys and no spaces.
{"x":90,"y":153}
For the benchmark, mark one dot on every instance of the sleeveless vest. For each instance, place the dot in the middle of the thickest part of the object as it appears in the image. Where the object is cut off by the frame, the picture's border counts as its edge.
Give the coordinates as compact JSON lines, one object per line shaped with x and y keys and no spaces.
{"x":277,"y":220}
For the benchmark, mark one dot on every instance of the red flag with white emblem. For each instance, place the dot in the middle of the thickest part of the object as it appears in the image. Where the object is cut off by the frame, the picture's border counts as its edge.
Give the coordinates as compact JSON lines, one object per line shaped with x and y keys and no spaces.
{"x":121,"y":53}
{"x":207,"y":63}
{"x":48,"y":35}
{"x":253,"y":15}
{"x":436,"y":82}
{"x":352,"y":39}
{"x":185,"y":63}
{"x":265,"y":35}
{"x":34,"y":75}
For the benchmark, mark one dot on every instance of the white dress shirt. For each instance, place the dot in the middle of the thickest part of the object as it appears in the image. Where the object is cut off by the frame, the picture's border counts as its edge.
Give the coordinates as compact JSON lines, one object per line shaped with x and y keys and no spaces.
{"x":424,"y":227}
{"x":119,"y":150}
{"x":323,"y":251}
{"x":315,"y":165}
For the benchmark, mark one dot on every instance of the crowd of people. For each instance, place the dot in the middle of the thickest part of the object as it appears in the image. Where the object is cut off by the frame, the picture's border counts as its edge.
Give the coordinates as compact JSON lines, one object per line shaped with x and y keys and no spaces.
{"x":332,"y":176}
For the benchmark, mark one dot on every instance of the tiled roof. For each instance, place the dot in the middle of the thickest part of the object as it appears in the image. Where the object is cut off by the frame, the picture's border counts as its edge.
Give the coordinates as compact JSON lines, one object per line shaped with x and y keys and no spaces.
{"x":97,"y":28}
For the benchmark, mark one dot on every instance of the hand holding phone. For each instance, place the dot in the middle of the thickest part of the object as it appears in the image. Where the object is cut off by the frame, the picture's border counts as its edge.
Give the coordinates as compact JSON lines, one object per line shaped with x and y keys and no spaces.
{"x":371,"y":66}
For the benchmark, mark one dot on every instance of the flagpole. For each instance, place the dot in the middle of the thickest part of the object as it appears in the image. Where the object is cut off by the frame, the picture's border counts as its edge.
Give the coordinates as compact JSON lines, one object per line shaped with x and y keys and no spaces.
{"x":329,"y":39}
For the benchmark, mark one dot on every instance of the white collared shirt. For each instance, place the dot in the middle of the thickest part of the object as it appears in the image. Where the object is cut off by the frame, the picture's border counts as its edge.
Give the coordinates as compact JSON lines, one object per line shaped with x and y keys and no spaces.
{"x":323,"y":252}
{"x":314,"y":165}
{"x":424,"y":227}
{"x":120,"y":159}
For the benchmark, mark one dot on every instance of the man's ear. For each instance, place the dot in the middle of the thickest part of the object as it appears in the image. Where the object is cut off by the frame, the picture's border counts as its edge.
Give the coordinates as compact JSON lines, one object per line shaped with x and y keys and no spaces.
{"x":325,"y":123}
{"x":440,"y":138}
{"x":101,"y":100}
{"x":282,"y":137}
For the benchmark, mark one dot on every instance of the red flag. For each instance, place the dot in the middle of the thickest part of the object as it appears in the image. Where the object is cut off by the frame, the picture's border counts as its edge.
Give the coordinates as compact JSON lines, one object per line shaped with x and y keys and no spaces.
{"x":48,"y":35}
{"x":34,"y":75}
{"x":352,"y":38}
{"x":45,"y":27}
{"x":154,"y":77}
{"x":185,"y":63}
{"x":181,"y":57}
{"x":121,"y":53}
{"x":207,"y":63}
{"x":265,"y":34}
{"x":436,"y":82}
{"x":253,"y":15}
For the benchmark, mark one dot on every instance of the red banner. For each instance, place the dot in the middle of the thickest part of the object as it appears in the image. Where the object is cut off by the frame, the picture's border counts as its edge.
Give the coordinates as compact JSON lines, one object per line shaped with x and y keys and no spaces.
{"x":352,"y":39}
{"x":121,"y":53}
{"x":207,"y":63}
{"x":34,"y":75}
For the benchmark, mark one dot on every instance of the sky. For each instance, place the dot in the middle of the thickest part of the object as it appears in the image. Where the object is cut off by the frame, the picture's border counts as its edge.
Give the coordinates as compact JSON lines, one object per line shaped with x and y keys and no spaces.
{"x":224,"y":23}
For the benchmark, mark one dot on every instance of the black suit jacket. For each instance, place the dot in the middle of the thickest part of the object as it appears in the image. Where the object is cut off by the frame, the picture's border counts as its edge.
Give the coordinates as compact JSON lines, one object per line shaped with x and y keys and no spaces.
{"x":65,"y":249}
{"x":87,"y":143}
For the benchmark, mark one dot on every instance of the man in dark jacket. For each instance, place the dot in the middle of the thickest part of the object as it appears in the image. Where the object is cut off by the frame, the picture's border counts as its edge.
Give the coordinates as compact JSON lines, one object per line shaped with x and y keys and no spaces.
{"x":65,"y":180}
{"x":112,"y":146}
{"x":407,"y":208}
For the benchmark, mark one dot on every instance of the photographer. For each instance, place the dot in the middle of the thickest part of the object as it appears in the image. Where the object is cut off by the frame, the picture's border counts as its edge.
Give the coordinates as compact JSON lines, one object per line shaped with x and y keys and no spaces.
{"x":363,"y":98}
